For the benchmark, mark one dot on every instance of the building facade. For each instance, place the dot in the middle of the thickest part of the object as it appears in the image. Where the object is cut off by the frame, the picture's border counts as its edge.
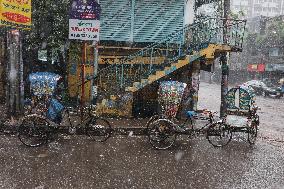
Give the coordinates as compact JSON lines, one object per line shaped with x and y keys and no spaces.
{"x":263,"y":51}
{"x":253,"y":8}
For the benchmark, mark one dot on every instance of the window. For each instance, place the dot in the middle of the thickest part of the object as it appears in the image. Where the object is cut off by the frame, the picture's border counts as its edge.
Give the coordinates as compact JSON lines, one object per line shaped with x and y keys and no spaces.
{"x":274,"y":51}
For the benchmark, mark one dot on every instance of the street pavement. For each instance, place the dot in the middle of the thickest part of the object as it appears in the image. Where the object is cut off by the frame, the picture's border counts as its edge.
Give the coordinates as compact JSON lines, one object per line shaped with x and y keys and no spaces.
{"x":129,"y":161}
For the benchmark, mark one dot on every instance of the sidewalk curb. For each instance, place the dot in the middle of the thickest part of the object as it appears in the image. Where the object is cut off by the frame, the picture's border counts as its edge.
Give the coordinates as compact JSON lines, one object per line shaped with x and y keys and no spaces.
{"x":122,"y":130}
{"x":137,"y":131}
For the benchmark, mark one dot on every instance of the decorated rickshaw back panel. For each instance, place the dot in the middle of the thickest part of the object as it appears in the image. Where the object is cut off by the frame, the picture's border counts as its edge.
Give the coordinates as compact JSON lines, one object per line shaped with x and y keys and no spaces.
{"x":43,"y":83}
{"x":239,"y":101}
{"x":169,"y":97}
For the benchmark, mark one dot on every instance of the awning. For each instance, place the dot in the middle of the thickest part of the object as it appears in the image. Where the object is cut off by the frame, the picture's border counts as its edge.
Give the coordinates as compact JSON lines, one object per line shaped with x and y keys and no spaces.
{"x":274,"y":67}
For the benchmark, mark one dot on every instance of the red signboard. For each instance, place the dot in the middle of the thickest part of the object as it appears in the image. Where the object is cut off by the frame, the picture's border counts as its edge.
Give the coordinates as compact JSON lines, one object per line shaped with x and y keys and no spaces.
{"x":261,"y":67}
{"x":252,"y":67}
{"x":256,"y":67}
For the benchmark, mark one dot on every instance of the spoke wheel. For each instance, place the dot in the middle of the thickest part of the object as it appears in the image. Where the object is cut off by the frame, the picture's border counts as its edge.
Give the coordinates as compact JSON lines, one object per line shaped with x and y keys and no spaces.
{"x":161,"y":134}
{"x":152,"y":119}
{"x":252,"y":133}
{"x":33,"y":131}
{"x":219,"y":134}
{"x":98,"y":129}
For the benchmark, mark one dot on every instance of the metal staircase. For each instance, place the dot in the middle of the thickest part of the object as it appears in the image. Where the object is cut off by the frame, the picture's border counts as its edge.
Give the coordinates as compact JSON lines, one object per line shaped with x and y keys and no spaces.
{"x":202,"y":39}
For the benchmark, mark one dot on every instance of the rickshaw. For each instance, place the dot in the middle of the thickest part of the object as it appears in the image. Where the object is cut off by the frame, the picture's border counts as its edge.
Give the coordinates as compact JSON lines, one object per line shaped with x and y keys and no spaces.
{"x":163,"y":128}
{"x":241,"y":112}
{"x":48,"y":113}
{"x":42,"y":86}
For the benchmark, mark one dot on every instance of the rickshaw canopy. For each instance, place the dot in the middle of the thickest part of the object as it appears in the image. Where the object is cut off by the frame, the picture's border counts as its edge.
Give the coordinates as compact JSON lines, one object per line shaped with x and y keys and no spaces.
{"x":43,"y":83}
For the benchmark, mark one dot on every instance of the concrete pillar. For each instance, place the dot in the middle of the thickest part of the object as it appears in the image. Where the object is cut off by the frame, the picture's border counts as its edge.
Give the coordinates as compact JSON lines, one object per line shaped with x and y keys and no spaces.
{"x":190,"y":97}
{"x":195,"y":80}
{"x":224,"y":61}
{"x":13,"y":97}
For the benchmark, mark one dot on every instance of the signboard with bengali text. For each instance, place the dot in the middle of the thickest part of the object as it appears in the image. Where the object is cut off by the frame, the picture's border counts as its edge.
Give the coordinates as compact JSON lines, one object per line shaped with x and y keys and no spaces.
{"x":84,"y":19}
{"x":84,"y":29}
{"x":16,"y":13}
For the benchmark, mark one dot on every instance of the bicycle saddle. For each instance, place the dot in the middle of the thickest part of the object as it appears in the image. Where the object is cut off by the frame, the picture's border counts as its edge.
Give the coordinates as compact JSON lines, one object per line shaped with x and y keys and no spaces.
{"x":190,"y":114}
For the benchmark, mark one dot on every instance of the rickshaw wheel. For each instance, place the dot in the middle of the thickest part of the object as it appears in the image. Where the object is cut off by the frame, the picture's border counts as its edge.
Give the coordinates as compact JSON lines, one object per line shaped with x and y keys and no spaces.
{"x":161,"y":134}
{"x":33,"y":131}
{"x":98,"y":129}
{"x":252,"y":133}
{"x":154,"y":118}
{"x":219,"y":134}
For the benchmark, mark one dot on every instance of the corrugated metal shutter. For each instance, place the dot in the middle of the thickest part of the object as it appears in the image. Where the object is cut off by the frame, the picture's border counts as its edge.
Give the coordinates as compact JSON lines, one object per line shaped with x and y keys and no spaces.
{"x":153,"y":19}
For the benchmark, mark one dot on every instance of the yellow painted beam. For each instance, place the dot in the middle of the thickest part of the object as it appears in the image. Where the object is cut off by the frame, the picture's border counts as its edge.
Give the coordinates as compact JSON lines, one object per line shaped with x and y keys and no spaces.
{"x":210,"y":51}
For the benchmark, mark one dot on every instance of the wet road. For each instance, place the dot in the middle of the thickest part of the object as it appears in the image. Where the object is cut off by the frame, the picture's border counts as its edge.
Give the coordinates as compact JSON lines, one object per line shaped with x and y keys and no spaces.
{"x":130,"y":162}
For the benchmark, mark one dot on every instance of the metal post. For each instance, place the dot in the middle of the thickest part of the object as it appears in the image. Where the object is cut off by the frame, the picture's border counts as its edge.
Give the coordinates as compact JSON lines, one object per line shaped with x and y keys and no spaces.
{"x":180,"y":45}
{"x":83,"y":72}
{"x":96,"y":65}
{"x":151,"y":60}
{"x":21,"y":75}
{"x":224,"y":61}
{"x":122,"y":76}
{"x":132,"y":20}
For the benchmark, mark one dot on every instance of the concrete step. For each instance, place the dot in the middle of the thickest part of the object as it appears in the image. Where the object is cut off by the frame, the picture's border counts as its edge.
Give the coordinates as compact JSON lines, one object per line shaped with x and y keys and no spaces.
{"x":130,"y":89}
{"x":144,"y":81}
{"x":160,"y":74}
{"x":152,"y":78}
{"x":137,"y":85}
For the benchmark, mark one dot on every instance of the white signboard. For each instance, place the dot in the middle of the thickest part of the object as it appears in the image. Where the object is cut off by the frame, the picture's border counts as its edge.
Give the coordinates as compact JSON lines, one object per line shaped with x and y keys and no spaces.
{"x":84,"y":29}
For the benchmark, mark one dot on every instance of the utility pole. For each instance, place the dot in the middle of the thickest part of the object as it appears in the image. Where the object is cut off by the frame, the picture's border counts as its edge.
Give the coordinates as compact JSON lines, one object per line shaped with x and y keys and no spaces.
{"x":13,"y":94}
{"x":224,"y":60}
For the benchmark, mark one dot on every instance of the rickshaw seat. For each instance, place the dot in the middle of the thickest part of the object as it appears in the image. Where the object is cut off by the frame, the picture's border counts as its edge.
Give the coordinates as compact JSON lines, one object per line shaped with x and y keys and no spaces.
{"x":190,"y":114}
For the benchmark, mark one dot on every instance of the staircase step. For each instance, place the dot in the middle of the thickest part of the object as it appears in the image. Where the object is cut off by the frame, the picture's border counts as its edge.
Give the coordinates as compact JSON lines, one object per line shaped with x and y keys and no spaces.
{"x":182,"y":63}
{"x":174,"y":64}
{"x":130,"y":89}
{"x":152,"y":78}
{"x":144,"y":81}
{"x":168,"y":70}
{"x":160,"y":74}
{"x":194,"y":57}
{"x":137,"y":85}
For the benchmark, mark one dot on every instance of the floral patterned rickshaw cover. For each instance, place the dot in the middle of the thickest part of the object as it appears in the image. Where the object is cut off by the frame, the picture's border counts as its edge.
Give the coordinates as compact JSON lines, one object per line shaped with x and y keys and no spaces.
{"x":169,"y":97}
